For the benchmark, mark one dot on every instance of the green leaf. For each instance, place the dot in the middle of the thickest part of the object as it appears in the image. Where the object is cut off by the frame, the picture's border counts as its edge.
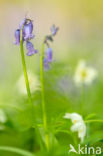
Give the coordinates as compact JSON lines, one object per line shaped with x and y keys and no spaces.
{"x":16,"y":150}
{"x":90,"y":116}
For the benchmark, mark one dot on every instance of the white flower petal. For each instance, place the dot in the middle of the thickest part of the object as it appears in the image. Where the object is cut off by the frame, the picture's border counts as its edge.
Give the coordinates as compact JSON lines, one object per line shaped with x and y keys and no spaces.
{"x":84,"y":74}
{"x":73,"y":116}
{"x":82,"y":132}
{"x":67,"y":116}
{"x":78,"y":124}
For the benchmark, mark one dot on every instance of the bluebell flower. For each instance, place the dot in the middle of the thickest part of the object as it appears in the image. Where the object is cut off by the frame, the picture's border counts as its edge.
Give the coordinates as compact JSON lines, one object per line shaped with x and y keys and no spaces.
{"x":54,"y":30}
{"x":46,"y":64}
{"x":26,"y":26}
{"x":30,"y":49}
{"x":17,"y":37}
{"x":27,"y":31}
{"x":49,"y":54}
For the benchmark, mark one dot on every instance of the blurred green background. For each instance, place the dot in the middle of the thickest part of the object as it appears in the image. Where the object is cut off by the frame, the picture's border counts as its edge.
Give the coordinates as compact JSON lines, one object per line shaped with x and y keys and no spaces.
{"x":80,"y":37}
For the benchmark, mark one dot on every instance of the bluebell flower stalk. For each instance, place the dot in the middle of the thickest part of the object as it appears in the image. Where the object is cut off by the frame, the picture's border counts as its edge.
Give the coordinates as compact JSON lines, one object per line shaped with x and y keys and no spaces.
{"x":25,"y":34}
{"x":44,"y":63}
{"x":43,"y":98}
{"x":25,"y":71}
{"x":28,"y":88}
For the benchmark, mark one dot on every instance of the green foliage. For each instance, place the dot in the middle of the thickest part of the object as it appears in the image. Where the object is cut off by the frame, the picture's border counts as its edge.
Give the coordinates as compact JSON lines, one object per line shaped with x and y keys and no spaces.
{"x":61,"y":96}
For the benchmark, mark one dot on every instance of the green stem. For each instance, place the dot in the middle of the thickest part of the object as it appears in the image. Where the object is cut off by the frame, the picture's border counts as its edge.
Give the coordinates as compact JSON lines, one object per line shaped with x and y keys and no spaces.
{"x":82,"y":108}
{"x":43,"y":99}
{"x":25,"y":74}
{"x":25,"y":70}
{"x":33,"y":117}
{"x":83,"y":98}
{"x":89,"y":121}
{"x":16,"y":150}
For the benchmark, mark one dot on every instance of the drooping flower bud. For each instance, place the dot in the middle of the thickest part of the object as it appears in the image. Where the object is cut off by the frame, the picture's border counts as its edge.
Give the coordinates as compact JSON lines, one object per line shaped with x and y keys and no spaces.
{"x":54,"y":30}
{"x":49,"y":52}
{"x":30,"y":49}
{"x":26,"y":28}
{"x":17,"y":37}
{"x":27,"y":31}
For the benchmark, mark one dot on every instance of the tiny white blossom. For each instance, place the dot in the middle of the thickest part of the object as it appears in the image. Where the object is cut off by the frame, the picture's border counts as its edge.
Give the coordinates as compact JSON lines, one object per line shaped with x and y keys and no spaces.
{"x":33,"y":82}
{"x":78,"y":124}
{"x":84,"y":74}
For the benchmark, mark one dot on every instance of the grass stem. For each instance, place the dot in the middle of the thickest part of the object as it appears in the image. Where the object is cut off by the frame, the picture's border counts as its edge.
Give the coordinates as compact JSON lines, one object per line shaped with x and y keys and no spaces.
{"x":43,"y":98}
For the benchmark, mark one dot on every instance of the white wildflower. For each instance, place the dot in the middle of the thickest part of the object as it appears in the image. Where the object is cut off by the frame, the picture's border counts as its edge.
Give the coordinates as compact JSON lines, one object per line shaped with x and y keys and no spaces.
{"x":78,"y":124}
{"x":33,"y":82}
{"x":84,"y":74}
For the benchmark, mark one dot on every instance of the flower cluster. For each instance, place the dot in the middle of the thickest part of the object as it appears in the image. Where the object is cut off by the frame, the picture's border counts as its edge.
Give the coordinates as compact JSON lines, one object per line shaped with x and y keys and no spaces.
{"x":78,"y":124}
{"x":26,"y":27}
{"x":84,"y":74}
{"x":49,"y":53}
